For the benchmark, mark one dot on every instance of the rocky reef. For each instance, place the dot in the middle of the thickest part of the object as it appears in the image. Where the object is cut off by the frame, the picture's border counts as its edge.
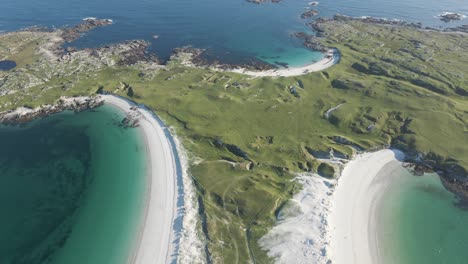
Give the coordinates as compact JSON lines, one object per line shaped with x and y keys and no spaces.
{"x":453,"y":176}
{"x":262,"y":1}
{"x":25,"y":114}
{"x":448,"y":17}
{"x":311,"y":41}
{"x":194,"y":57}
{"x":72,"y":33}
{"x":55,"y":61}
{"x":309,"y":14}
{"x":368,"y":19}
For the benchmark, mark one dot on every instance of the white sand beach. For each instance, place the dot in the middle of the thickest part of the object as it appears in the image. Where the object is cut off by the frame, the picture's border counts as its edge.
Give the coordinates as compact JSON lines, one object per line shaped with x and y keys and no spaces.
{"x":327,"y":221}
{"x":352,"y":221}
{"x":331,"y":57}
{"x":334,"y":221}
{"x":158,"y":238}
{"x":301,"y":234}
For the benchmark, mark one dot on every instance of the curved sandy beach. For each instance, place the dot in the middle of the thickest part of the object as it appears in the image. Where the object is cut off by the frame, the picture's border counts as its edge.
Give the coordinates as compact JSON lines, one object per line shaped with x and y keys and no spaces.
{"x":161,"y":232}
{"x":335,"y":221}
{"x":330,"y":58}
{"x":353,"y":219}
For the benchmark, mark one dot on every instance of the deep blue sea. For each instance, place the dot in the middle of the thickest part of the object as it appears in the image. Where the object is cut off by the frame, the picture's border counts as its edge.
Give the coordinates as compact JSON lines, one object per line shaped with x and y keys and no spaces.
{"x":232,"y":30}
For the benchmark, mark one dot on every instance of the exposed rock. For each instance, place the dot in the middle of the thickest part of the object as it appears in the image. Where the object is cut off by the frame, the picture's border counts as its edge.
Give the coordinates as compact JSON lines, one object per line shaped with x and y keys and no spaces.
{"x":263,"y":1}
{"x":300,"y":83}
{"x":453,"y":176}
{"x":463,"y":29}
{"x":376,"y":20}
{"x":131,"y":119}
{"x":311,"y":41}
{"x":293,"y":91}
{"x":26,"y":114}
{"x":73,"y":33}
{"x":309,"y":13}
{"x":318,"y":154}
{"x":343,"y":141}
{"x":448,"y":17}
{"x":236,"y":151}
{"x":194,"y":57}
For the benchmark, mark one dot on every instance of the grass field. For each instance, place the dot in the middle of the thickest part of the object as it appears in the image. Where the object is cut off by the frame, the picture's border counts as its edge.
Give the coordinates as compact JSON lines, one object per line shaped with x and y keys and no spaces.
{"x":248,"y":137}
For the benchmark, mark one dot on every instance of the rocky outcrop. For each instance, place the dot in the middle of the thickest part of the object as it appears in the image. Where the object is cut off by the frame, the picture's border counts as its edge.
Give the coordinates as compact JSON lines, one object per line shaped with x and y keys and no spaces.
{"x":309,"y":13}
{"x":262,"y":1}
{"x":194,"y":57}
{"x":448,"y":17}
{"x":237,"y":151}
{"x":312,"y":42}
{"x":377,"y":20}
{"x":26,"y":114}
{"x":452,"y":174}
{"x":137,"y":52}
{"x":344,"y":141}
{"x":72,"y":33}
{"x":463,"y":29}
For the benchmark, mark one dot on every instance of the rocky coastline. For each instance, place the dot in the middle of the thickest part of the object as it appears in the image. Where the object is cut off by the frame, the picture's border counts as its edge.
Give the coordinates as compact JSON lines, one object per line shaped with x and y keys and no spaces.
{"x":129,"y":52}
{"x":309,"y":13}
{"x":313,"y":41}
{"x":195,"y":57}
{"x":453,"y":176}
{"x":26,"y":114}
{"x":462,"y":28}
{"x":70,"y":34}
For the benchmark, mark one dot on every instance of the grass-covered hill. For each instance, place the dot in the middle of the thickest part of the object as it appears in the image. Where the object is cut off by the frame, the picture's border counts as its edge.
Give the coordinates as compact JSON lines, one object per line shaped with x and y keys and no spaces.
{"x":248,"y":137}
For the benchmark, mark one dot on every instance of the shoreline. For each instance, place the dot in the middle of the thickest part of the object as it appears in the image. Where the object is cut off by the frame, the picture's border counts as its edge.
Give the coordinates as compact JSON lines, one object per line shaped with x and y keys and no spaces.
{"x":330,"y":58}
{"x":334,"y":220}
{"x":168,"y":226}
{"x":162,"y":229}
{"x":356,"y":200}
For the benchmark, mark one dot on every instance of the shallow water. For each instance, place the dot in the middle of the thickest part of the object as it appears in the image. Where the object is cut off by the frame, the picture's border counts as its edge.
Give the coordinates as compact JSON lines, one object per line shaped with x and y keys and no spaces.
{"x":72,"y":189}
{"x":233,"y":30}
{"x":422,"y":223}
{"x":6,"y":65}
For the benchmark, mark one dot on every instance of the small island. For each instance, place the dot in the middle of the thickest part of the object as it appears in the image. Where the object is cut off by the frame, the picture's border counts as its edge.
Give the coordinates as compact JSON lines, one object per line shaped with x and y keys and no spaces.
{"x":449,"y":16}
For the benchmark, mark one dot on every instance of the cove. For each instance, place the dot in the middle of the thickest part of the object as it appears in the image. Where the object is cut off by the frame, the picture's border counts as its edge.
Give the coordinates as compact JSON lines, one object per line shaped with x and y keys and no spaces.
{"x":421,"y":222}
{"x":72,"y":188}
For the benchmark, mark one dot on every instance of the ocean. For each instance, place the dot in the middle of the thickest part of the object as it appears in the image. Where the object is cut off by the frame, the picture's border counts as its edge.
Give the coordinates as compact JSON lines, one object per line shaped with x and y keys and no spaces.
{"x":72,"y":185}
{"x":72,"y":189}
{"x":232,"y":31}
{"x":421,"y":223}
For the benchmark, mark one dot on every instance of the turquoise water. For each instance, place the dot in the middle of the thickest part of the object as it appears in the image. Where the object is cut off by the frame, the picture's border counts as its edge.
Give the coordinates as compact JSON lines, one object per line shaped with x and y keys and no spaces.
{"x":71,"y":189}
{"x":232,"y":30}
{"x":422,"y":224}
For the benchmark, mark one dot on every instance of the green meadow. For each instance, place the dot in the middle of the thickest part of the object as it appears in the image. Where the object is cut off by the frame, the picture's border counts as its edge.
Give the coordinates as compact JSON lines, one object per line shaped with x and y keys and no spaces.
{"x":248,"y":137}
